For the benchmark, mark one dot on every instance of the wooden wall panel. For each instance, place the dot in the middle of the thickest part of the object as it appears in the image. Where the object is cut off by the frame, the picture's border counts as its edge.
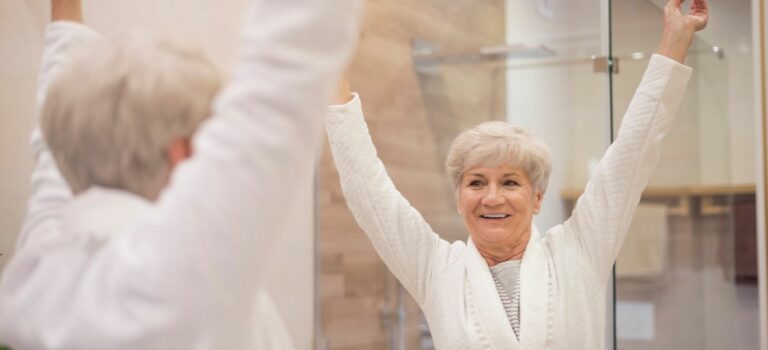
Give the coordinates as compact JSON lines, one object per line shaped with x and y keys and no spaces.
{"x":413,"y":118}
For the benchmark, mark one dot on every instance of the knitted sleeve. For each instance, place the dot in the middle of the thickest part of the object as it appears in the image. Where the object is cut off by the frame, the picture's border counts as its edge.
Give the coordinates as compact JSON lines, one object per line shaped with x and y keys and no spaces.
{"x":49,"y":189}
{"x":399,"y":233}
{"x":602,"y":215}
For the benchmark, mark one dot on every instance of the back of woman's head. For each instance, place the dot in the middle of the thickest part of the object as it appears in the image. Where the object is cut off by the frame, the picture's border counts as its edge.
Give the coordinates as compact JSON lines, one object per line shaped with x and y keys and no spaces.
{"x":111,"y":114}
{"x":497,"y":143}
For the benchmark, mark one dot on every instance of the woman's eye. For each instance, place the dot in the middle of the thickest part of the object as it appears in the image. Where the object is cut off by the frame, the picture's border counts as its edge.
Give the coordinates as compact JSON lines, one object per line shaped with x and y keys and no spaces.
{"x":511,"y":183}
{"x":475,"y":183}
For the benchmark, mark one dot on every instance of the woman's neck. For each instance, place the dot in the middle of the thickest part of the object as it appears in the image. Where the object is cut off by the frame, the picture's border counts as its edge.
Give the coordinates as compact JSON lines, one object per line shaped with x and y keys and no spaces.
{"x":498,"y":252}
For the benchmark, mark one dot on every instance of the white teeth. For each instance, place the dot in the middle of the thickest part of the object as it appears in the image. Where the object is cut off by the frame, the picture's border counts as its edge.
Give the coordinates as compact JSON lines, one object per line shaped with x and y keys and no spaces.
{"x":494,"y":216}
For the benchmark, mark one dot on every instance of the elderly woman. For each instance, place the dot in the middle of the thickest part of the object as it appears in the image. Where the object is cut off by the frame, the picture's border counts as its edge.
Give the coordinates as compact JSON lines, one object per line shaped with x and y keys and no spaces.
{"x":508,"y":286}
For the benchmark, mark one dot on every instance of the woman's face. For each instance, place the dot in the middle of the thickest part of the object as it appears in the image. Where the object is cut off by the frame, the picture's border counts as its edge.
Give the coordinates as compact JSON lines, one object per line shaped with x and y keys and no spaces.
{"x":498,"y":204}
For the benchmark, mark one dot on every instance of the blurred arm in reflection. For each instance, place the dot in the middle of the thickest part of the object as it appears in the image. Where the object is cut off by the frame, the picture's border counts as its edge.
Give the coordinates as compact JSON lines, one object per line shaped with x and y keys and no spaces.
{"x":508,"y":286}
{"x":131,"y":239}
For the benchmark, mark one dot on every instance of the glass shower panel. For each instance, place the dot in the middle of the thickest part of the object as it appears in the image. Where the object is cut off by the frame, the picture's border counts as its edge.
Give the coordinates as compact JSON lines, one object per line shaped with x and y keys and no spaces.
{"x":562,"y":95}
{"x":459,"y":92}
{"x":550,"y":77}
{"x":686,"y":275}
{"x":565,"y":103}
{"x":559,"y":96}
{"x":412,"y":117}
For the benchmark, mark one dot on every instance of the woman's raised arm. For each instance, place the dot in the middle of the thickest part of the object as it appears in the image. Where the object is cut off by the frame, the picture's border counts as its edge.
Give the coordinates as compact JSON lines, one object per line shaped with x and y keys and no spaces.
{"x":602,"y":215}
{"x":63,"y":36}
{"x":399,"y":233}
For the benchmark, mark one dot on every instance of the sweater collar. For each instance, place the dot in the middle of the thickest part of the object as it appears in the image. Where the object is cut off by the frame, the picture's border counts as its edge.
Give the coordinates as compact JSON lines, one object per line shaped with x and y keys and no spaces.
{"x":535,"y":298}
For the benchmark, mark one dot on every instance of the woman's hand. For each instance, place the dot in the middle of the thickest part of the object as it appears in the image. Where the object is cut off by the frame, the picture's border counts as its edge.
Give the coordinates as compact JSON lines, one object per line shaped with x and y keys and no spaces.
{"x":679,"y":29}
{"x":344,"y":92}
{"x":66,"y":10}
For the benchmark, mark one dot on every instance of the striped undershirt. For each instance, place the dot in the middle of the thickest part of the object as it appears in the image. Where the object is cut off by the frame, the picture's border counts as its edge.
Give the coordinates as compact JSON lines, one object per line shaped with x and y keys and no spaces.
{"x":507,"y":278}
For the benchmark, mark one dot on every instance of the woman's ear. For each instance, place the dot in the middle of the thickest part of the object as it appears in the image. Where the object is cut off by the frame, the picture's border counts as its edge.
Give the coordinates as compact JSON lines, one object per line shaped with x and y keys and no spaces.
{"x":538,"y":198}
{"x":179,"y":150}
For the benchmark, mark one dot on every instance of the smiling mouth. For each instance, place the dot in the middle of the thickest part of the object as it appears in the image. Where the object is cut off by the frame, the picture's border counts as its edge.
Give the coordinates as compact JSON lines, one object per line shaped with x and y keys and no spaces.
{"x":494,"y":216}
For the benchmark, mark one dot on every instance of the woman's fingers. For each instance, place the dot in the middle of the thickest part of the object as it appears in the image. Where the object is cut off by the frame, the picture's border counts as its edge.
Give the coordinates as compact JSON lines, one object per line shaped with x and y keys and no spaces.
{"x":699,"y":6}
{"x":344,"y":91}
{"x":699,"y":13}
{"x":697,"y":18}
{"x":673,"y":5}
{"x":66,"y":10}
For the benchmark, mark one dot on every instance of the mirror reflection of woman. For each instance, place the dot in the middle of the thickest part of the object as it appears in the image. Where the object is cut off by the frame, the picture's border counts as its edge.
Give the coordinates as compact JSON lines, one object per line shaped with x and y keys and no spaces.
{"x":509,"y":286}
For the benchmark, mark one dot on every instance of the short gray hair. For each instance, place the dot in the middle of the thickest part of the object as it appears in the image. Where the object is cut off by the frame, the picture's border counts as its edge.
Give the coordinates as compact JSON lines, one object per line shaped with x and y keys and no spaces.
{"x":113,"y":111}
{"x":496,"y":143}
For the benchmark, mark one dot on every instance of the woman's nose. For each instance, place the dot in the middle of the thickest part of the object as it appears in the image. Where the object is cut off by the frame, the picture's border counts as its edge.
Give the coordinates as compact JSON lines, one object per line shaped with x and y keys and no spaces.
{"x":492,"y":197}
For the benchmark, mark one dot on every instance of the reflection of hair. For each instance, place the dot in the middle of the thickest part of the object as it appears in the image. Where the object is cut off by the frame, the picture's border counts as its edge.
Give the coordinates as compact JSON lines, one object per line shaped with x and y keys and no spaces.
{"x":111,"y":114}
{"x":497,"y":143}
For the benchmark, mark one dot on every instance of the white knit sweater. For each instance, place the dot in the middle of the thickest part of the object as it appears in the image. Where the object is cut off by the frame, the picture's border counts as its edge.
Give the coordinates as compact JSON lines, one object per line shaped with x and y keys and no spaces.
{"x":564,"y":273}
